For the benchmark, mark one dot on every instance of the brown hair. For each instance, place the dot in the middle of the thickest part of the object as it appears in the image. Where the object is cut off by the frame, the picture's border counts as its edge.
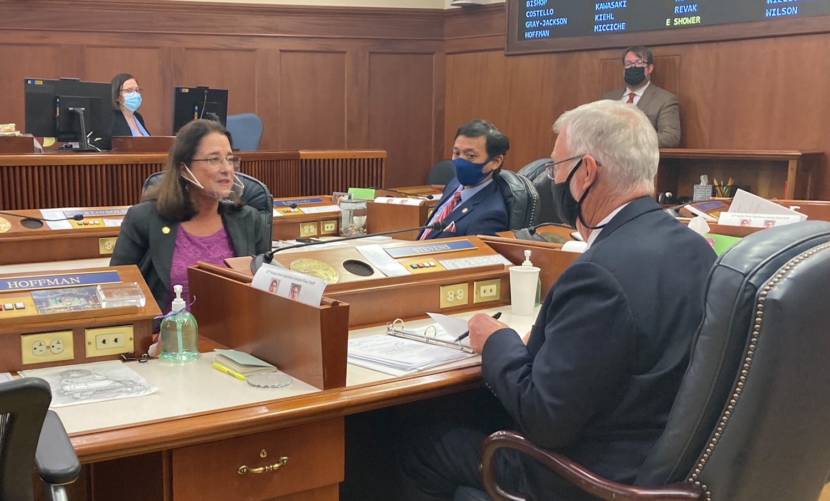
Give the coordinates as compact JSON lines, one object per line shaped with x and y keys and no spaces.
{"x":172,"y":193}
{"x":118,"y":82}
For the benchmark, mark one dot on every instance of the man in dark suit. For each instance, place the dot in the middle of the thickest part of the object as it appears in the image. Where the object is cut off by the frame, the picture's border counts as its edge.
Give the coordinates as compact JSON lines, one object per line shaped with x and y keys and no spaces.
{"x":472,"y":203}
{"x":660,"y":106}
{"x":601,"y":367}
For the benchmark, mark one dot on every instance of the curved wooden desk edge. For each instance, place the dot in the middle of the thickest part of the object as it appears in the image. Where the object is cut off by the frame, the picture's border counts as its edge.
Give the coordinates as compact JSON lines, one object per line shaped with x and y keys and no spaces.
{"x":152,"y":437}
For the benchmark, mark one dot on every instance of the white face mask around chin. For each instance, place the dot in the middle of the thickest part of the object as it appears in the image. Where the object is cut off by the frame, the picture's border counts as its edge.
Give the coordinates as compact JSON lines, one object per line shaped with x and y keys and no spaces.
{"x":238,"y":187}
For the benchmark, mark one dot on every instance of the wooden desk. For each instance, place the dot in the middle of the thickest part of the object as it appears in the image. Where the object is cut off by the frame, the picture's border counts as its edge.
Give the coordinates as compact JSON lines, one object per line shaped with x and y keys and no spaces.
{"x":768,"y":173}
{"x":108,"y":179}
{"x":196,"y":455}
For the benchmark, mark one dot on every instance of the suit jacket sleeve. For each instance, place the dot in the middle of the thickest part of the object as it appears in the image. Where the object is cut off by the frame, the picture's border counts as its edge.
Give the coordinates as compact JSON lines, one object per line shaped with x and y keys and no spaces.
{"x":133,"y":243}
{"x":575,"y":361}
{"x":668,"y":123}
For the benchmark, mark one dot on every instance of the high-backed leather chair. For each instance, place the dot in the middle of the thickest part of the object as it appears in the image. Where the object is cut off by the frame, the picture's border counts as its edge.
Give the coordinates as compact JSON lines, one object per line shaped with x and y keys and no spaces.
{"x":750,"y":419}
{"x":536,"y":172}
{"x":246,"y":130}
{"x":30,"y":434}
{"x":441,"y":173}
{"x":521,"y":199}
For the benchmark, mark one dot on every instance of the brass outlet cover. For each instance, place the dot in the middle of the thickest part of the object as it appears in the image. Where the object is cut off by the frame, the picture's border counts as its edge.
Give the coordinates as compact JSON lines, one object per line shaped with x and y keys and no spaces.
{"x":454,"y":295}
{"x":104,"y":341}
{"x":308,"y":230}
{"x":486,"y":291}
{"x":106,"y":245}
{"x":45,"y":347}
{"x":328,"y":227}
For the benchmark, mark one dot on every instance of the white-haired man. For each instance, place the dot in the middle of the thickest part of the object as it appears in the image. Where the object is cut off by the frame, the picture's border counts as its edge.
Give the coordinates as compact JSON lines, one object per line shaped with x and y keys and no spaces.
{"x":604,"y":360}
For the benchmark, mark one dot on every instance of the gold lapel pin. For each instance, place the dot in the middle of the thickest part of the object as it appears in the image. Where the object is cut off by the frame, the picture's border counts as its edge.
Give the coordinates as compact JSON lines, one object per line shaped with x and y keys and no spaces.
{"x":464,"y":210}
{"x":165,"y":230}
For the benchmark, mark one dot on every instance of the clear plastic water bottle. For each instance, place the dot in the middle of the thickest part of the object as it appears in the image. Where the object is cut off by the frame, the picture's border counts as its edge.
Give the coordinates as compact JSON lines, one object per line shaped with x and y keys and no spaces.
{"x":179,"y":332}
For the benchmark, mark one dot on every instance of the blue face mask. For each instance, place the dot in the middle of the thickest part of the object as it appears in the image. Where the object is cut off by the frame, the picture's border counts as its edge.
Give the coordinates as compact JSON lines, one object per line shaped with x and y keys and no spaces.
{"x":132,"y":101}
{"x":469,"y":173}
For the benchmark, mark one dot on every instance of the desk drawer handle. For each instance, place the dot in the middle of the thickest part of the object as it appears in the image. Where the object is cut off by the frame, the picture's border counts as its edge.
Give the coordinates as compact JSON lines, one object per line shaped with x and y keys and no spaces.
{"x":243,"y":470}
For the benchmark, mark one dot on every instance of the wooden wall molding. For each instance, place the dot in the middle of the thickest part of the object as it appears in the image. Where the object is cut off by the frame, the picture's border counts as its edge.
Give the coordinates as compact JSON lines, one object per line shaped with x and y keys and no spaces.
{"x":402,"y":80}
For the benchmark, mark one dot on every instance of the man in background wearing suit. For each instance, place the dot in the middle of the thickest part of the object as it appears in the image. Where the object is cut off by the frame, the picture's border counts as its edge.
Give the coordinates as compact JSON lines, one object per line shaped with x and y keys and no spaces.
{"x":599,"y":371}
{"x":660,"y":106}
{"x":472,"y":203}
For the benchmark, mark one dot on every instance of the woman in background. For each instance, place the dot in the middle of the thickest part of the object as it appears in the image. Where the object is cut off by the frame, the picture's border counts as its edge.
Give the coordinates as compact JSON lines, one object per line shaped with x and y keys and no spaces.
{"x":194,"y":213}
{"x":126,"y":100}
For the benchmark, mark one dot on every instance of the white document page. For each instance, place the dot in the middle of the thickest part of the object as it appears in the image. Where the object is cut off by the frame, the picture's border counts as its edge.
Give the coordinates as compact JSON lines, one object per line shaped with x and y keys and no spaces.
{"x":320,"y":208}
{"x":378,"y":258}
{"x":748,"y":203}
{"x":56,"y":214}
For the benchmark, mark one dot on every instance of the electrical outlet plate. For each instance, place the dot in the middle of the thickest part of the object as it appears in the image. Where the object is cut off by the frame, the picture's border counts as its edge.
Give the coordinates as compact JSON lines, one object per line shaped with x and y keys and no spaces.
{"x":46,"y":347}
{"x":308,"y":230}
{"x":486,"y":291}
{"x":454,"y":295}
{"x":104,"y":341}
{"x":328,"y":227}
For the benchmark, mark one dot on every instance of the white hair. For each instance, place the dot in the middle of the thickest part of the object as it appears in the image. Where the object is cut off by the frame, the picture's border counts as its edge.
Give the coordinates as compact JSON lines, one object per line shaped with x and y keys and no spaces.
{"x":619,"y":136}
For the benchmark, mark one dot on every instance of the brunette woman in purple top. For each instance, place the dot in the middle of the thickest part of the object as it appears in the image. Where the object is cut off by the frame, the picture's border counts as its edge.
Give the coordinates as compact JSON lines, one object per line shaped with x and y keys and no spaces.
{"x":193,"y":214}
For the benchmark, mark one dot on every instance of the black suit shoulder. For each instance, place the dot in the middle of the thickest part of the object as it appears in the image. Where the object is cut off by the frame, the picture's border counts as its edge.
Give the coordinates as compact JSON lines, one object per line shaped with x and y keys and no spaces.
{"x":120,"y":126}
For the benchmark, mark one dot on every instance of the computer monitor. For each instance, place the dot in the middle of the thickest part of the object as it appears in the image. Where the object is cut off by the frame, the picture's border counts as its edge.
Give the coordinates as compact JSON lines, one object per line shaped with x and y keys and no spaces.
{"x":190,"y":103}
{"x":69,"y":110}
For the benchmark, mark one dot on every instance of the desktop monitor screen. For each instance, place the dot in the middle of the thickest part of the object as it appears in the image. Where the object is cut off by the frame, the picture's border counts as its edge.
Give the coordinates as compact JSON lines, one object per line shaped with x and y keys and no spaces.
{"x":69,"y":110}
{"x":191,"y":103}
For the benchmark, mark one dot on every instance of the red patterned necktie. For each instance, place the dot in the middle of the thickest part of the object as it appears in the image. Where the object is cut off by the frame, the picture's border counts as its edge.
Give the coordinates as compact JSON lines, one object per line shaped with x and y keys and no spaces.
{"x":631,"y":96}
{"x":446,"y":211}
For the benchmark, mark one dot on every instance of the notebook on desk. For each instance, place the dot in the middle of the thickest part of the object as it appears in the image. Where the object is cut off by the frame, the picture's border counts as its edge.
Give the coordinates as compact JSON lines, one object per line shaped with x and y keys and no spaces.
{"x":405,"y":350}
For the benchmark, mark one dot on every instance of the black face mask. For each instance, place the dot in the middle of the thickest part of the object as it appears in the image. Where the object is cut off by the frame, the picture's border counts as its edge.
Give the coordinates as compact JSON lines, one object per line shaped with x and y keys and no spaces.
{"x":567,"y":206}
{"x":635,"y":75}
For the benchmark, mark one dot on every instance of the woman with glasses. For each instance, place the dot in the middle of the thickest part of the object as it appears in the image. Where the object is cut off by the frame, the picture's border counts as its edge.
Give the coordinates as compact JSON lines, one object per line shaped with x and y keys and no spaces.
{"x":194,"y":213}
{"x":126,"y":100}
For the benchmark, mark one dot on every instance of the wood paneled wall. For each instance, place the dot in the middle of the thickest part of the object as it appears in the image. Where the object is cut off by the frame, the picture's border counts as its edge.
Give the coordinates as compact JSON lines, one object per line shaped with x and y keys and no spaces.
{"x":765,"y":93}
{"x":319,"y":77}
{"x":403,"y":80}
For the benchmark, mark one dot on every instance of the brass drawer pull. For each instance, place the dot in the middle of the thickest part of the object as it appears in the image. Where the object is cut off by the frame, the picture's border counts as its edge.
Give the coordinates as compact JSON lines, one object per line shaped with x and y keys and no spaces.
{"x":263,"y":469}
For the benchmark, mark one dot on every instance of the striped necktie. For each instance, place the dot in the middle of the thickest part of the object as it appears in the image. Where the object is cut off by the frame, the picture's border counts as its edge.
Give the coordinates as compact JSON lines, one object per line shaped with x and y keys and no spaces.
{"x":446,"y":211}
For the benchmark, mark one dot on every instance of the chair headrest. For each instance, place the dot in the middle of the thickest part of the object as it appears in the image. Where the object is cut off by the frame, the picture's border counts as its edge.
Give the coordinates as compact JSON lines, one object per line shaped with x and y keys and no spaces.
{"x":520,"y":197}
{"x":718,"y":348}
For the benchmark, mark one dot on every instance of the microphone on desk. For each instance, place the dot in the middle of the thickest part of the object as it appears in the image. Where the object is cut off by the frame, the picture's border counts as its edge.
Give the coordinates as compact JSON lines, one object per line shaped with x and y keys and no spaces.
{"x":266,"y":258}
{"x":531,"y":233}
{"x":407,"y":195}
{"x":34,"y":223}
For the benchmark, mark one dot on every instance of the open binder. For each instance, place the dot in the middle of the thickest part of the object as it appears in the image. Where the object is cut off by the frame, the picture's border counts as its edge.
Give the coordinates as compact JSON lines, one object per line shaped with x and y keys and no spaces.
{"x":402,"y":351}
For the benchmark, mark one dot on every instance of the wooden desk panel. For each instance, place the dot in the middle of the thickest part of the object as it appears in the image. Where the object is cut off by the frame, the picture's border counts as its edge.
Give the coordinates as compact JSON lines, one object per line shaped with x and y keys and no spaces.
{"x":106,"y":179}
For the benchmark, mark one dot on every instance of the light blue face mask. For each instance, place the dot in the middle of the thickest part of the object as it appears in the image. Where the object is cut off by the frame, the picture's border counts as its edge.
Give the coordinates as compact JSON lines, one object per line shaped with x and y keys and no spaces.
{"x":132,"y":101}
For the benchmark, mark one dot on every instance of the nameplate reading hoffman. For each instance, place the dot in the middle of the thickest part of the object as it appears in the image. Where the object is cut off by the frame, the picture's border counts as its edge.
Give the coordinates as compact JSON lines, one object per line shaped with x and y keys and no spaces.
{"x":35,"y":282}
{"x":431,"y":248}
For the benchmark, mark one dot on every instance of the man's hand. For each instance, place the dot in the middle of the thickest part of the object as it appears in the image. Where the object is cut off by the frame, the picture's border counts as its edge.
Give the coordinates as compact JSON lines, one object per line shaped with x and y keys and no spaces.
{"x":482,"y":327}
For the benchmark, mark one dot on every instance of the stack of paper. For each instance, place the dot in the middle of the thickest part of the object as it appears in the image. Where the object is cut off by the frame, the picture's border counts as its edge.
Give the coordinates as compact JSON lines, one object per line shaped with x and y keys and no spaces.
{"x":751,"y":210}
{"x":398,"y":356}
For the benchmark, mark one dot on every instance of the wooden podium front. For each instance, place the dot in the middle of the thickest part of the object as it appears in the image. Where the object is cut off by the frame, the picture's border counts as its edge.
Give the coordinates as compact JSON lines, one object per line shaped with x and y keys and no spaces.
{"x":307,"y":342}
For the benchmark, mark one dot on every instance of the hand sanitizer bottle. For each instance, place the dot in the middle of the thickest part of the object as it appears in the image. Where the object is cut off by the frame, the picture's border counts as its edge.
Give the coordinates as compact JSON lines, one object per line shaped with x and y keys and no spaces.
{"x":179,"y":332}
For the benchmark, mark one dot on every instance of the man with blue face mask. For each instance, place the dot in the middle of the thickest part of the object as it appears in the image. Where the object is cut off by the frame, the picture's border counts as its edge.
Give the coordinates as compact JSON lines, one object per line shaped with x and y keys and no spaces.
{"x":126,"y":100}
{"x":660,"y":106}
{"x":472,"y":203}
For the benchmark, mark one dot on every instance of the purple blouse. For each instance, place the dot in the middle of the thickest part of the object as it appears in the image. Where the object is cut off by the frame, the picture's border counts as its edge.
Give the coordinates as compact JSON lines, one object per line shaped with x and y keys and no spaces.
{"x":191,"y":249}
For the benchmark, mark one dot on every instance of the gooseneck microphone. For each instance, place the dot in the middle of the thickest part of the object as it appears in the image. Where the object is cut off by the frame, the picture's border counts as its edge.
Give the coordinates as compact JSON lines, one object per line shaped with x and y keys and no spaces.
{"x":533,"y":229}
{"x":266,"y":258}
{"x":33,"y":223}
{"x":407,"y":195}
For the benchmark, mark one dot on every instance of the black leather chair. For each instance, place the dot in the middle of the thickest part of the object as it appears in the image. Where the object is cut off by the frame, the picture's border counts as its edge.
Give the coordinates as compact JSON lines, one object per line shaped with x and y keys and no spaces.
{"x":750,"y":419}
{"x":521,"y":199}
{"x":441,"y":173}
{"x":30,"y":434}
{"x":536,"y":172}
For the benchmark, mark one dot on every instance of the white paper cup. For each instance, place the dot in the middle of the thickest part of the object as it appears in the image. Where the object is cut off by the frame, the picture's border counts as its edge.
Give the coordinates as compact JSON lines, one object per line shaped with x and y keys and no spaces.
{"x":523,"y":282}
